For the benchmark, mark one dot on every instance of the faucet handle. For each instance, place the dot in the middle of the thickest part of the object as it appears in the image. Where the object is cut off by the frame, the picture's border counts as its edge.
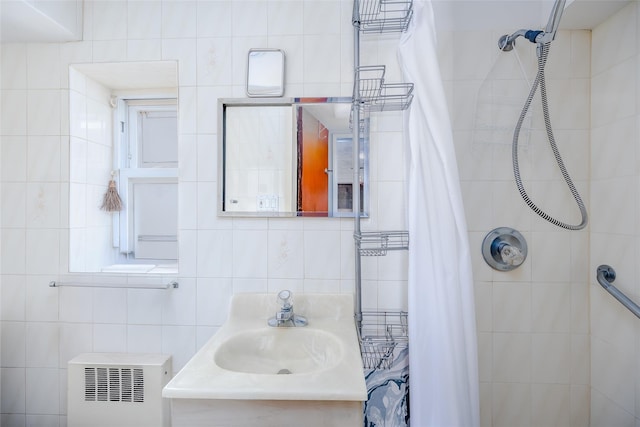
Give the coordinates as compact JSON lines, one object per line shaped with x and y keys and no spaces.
{"x":284,"y":298}
{"x":511,"y":255}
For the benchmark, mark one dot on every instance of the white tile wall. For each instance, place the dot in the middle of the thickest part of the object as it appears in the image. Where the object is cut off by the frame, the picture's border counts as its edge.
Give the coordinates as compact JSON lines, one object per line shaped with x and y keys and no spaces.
{"x":144,"y":20}
{"x":44,"y":112}
{"x":14,"y":402}
{"x":14,"y":112}
{"x":41,"y":345}
{"x":42,"y":391}
{"x":615,"y":382}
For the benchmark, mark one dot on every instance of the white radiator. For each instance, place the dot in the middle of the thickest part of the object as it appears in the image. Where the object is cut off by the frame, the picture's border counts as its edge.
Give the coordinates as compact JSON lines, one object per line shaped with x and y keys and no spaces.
{"x":118,"y":389}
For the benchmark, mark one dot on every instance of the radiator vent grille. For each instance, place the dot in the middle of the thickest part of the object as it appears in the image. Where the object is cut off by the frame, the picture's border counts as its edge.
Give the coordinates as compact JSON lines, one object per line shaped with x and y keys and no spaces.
{"x":109,"y":384}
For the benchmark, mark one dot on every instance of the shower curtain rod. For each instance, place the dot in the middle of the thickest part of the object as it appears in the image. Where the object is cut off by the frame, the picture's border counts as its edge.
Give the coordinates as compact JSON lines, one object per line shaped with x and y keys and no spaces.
{"x":606,"y":275}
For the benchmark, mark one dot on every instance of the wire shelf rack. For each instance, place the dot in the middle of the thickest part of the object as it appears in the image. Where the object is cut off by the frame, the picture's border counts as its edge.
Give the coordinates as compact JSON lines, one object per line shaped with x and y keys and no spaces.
{"x":373,"y":94}
{"x":393,"y":97}
{"x":378,"y":243}
{"x":381,"y":333}
{"x":369,"y":80}
{"x":382,"y":16}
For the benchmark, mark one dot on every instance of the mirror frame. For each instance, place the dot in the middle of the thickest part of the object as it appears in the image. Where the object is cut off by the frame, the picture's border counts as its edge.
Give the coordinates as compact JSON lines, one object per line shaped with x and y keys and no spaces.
{"x":253,"y":102}
{"x":265,"y":73}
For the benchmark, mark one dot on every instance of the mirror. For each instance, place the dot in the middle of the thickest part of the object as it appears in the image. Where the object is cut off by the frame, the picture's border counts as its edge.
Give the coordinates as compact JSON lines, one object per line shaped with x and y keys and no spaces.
{"x":123,"y":121}
{"x":265,"y":73}
{"x":289,"y":157}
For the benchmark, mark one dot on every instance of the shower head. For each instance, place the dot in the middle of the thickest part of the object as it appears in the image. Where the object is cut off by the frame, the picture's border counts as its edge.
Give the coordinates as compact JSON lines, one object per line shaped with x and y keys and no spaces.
{"x":506,"y":42}
{"x":554,"y":19}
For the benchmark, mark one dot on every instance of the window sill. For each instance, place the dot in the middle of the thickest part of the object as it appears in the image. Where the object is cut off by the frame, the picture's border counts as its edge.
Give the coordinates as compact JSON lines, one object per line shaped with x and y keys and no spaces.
{"x":141,"y":269}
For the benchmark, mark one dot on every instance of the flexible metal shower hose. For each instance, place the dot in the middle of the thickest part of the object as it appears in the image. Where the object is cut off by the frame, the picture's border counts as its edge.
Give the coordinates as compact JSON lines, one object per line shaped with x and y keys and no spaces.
{"x":543,"y":53}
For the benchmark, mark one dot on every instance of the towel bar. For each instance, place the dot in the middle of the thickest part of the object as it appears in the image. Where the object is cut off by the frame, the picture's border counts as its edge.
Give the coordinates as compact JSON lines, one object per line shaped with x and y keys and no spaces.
{"x":173,"y":284}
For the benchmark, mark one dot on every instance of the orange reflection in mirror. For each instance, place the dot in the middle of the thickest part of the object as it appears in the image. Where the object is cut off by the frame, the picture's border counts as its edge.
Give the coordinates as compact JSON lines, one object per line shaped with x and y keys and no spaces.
{"x":313,"y":152}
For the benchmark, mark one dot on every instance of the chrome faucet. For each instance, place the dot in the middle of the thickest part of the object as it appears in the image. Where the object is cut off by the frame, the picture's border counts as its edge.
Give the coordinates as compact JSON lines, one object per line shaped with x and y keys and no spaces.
{"x":286,"y":318}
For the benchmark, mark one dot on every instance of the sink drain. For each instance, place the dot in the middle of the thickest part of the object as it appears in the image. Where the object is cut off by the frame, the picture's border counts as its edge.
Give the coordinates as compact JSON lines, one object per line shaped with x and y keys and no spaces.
{"x":284,"y":372}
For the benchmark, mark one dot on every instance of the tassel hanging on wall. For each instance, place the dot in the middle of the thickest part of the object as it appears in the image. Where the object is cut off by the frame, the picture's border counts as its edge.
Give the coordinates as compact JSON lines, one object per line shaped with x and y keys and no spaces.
{"x":111,"y":201}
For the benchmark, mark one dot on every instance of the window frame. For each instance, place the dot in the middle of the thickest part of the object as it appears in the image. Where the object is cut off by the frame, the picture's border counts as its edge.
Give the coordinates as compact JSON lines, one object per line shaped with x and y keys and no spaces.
{"x":126,"y":156}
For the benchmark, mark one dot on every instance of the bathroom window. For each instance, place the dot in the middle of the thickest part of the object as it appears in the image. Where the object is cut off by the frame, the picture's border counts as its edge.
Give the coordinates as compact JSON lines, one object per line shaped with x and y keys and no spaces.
{"x":123,"y":127}
{"x":146,"y":149}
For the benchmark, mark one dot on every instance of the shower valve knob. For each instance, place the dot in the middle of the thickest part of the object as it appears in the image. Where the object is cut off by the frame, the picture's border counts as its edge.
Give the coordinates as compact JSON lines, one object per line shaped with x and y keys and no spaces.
{"x":511,"y":255}
{"x":504,"y":249}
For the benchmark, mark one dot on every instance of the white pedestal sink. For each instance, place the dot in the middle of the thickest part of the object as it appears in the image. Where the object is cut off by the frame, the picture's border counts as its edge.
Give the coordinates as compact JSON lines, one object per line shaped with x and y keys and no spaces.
{"x":251,"y":374}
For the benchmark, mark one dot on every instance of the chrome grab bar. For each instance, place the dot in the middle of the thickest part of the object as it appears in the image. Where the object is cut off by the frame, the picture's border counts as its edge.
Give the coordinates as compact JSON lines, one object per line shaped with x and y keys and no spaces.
{"x":606,"y":275}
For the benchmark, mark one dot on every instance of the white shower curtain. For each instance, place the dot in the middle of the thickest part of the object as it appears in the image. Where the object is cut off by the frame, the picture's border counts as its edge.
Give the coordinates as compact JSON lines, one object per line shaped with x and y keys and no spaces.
{"x":443,"y":379}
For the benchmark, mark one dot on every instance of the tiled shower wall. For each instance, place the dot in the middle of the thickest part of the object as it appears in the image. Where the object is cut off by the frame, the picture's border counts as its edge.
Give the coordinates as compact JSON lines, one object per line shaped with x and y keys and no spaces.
{"x":615,"y":169}
{"x":533,"y":324}
{"x":42,"y":327}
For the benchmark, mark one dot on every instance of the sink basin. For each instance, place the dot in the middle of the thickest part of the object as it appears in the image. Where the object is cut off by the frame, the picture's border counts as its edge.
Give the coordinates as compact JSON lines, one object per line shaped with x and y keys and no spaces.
{"x":248,"y":360}
{"x":279,"y":351}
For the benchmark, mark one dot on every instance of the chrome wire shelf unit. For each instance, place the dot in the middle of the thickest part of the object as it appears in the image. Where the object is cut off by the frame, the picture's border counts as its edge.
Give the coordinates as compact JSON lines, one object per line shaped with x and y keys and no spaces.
{"x":374,"y":95}
{"x":381,"y":333}
{"x":383,"y":16}
{"x":378,"y":243}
